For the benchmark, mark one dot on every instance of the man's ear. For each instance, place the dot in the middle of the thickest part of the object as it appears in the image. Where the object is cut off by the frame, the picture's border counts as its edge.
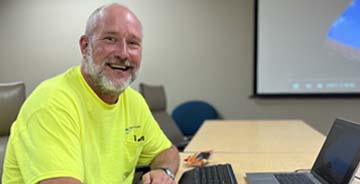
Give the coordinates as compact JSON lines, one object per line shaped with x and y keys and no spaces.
{"x":84,"y":43}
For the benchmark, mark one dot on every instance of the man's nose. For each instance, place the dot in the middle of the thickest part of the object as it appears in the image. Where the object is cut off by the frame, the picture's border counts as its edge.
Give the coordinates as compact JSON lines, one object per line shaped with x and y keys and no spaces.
{"x":122,"y":50}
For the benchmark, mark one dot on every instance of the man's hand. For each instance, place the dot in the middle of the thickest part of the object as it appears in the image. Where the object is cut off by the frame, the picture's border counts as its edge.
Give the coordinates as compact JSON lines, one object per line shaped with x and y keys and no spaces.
{"x":157,"y":176}
{"x":169,"y":159}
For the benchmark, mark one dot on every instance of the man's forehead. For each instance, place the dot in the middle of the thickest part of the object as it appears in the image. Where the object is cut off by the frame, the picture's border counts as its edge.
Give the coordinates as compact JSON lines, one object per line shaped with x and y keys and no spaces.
{"x":120,"y":28}
{"x":128,"y":34}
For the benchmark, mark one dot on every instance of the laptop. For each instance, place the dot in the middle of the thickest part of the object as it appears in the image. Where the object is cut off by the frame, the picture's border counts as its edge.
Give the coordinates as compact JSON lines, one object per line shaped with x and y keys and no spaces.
{"x":336,"y":163}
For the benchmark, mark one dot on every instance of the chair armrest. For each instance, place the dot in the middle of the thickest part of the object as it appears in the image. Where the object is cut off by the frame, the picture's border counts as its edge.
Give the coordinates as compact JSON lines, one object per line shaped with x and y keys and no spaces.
{"x":181,"y":145}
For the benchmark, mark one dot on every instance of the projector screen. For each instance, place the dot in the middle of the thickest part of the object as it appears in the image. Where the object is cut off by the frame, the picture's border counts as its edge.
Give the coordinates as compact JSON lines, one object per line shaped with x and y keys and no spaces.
{"x":307,"y":47}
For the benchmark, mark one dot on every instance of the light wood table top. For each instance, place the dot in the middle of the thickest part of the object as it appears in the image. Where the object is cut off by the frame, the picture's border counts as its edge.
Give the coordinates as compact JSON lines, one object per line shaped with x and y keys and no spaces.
{"x":256,"y":136}
{"x":258,"y":162}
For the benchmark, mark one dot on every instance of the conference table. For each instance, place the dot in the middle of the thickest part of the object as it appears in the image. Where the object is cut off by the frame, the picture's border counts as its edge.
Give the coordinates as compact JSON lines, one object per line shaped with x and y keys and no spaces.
{"x":257,"y":145}
{"x":254,"y":136}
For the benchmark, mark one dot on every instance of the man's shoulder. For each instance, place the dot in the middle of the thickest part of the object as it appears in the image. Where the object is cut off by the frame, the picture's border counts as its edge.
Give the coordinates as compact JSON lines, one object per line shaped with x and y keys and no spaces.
{"x":58,"y":89}
{"x":58,"y":81}
{"x":133,"y":101}
{"x":49,"y":99}
{"x":132,"y":94}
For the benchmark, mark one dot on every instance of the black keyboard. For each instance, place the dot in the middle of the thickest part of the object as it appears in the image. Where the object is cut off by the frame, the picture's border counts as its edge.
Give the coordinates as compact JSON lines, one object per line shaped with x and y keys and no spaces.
{"x":293,"y":178}
{"x":213,"y":174}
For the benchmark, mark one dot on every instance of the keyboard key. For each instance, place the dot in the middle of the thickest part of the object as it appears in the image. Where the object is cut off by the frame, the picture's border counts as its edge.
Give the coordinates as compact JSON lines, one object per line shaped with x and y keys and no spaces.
{"x":293,"y":178}
{"x":214,"y":174}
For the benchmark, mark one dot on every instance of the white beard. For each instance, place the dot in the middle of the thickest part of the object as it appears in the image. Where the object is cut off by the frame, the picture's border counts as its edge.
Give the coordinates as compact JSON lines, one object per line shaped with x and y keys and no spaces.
{"x":101,"y":81}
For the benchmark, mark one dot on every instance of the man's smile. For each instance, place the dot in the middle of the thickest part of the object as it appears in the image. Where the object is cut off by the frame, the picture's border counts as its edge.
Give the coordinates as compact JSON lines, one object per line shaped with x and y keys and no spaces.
{"x":118,"y":67}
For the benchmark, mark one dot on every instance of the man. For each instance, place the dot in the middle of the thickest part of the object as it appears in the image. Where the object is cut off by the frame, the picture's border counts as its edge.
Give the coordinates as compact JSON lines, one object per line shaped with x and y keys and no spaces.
{"x":86,"y":125}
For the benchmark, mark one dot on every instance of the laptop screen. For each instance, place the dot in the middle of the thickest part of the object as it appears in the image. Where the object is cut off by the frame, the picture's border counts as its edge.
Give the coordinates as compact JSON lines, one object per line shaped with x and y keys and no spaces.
{"x":340,"y":153}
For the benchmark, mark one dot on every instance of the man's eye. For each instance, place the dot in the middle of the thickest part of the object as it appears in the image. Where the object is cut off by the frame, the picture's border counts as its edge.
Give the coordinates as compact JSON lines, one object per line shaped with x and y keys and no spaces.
{"x":135,"y":43}
{"x":111,"y":39}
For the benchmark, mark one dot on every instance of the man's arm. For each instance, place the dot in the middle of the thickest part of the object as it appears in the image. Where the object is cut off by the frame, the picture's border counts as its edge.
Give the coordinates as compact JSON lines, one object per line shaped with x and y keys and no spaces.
{"x":168,"y":158}
{"x":61,"y":180}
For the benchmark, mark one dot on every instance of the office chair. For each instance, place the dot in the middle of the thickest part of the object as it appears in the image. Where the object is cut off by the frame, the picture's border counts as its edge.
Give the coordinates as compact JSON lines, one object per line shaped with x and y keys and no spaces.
{"x":12,"y":96}
{"x":156,"y":99}
{"x":190,"y":115}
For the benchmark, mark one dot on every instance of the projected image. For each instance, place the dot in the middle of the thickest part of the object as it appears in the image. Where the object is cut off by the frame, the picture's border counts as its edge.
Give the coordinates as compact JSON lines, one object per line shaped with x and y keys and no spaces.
{"x":345,"y":31}
{"x":307,"y":47}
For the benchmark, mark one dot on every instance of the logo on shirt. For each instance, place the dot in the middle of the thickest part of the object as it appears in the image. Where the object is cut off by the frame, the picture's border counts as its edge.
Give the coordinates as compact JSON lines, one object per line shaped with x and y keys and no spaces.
{"x":138,"y":139}
{"x":132,"y":129}
{"x":129,"y":129}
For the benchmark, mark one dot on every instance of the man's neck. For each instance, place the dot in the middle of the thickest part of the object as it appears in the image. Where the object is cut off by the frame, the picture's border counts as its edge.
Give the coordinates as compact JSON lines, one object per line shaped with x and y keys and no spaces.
{"x":107,"y":98}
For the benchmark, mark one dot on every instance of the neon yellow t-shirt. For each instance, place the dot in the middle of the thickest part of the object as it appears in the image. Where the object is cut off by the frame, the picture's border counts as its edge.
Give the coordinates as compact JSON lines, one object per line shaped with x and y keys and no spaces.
{"x":64,"y":129}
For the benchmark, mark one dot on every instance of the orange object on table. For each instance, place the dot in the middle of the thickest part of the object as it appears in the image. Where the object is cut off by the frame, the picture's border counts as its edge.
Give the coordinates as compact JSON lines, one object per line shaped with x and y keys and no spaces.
{"x":199,"y":158}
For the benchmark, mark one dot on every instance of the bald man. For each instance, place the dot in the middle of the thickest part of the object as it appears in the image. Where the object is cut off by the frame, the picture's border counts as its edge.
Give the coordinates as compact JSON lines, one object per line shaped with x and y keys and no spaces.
{"x":87,"y":125}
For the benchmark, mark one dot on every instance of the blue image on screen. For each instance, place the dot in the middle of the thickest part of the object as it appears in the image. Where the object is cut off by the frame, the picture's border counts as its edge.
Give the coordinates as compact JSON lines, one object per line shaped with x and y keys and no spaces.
{"x":346,"y":28}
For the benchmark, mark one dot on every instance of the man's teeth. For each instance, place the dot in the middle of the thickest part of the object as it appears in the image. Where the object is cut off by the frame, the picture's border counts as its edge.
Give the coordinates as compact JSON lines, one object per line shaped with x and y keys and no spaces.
{"x":120,"y":67}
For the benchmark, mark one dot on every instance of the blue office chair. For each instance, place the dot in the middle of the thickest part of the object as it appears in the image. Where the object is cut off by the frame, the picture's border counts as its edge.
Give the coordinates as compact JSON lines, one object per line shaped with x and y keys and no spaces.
{"x":189,"y":116}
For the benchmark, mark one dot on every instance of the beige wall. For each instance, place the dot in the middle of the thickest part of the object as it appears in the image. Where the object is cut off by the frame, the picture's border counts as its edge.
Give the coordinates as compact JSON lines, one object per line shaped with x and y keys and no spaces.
{"x":199,"y":49}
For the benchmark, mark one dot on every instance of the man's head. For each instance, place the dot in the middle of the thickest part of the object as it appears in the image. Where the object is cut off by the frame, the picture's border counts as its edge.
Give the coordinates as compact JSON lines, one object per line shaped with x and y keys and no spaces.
{"x":111,"y":49}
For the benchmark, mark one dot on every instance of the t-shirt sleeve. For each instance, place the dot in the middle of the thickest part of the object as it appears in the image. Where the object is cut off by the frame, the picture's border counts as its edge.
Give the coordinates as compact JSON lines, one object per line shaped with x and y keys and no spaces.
{"x":49,"y":146}
{"x":155,"y":140}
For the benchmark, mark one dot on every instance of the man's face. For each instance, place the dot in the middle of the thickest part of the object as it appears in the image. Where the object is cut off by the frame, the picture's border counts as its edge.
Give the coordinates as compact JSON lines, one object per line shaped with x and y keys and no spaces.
{"x":113,"y":54}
